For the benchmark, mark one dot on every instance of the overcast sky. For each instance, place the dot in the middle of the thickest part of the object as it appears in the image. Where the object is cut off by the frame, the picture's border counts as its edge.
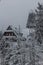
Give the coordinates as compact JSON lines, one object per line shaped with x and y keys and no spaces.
{"x":15,"y":12}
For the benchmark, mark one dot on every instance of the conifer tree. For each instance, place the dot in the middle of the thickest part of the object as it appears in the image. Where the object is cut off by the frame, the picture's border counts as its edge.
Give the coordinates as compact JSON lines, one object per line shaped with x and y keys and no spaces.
{"x":39,"y":22}
{"x":31,"y":20}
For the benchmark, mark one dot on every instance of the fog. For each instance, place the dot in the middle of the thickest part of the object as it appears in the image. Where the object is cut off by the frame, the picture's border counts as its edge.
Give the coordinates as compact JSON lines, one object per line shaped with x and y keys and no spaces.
{"x":15,"y":12}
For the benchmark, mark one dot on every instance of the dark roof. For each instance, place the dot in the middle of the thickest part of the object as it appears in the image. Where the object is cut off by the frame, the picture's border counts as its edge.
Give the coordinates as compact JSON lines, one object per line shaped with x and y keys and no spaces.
{"x":9,"y":27}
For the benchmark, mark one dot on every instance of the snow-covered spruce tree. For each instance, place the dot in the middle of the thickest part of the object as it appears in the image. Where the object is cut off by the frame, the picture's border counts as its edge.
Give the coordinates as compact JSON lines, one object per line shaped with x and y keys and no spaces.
{"x":31,"y":20}
{"x":20,"y":55}
{"x":4,"y":49}
{"x":15,"y":59}
{"x":39,"y":22}
{"x":39,"y":30}
{"x":31,"y":23}
{"x":32,"y":49}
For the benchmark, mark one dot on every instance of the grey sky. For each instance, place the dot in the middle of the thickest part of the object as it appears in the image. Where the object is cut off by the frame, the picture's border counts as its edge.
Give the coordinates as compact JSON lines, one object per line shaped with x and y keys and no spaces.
{"x":15,"y":12}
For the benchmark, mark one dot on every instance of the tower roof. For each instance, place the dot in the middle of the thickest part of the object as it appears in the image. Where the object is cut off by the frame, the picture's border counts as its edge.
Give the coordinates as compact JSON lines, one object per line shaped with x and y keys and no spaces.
{"x":9,"y":27}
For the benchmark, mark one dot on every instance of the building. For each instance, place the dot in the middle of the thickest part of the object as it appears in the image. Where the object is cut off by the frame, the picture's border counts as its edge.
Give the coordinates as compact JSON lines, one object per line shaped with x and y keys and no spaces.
{"x":9,"y":34}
